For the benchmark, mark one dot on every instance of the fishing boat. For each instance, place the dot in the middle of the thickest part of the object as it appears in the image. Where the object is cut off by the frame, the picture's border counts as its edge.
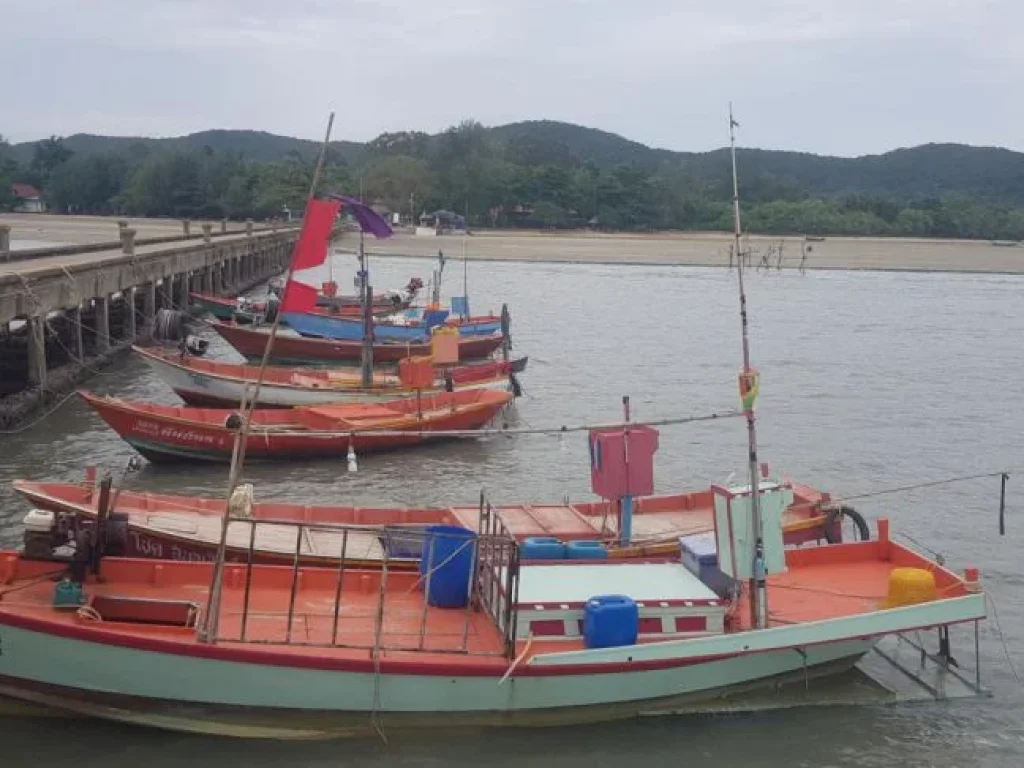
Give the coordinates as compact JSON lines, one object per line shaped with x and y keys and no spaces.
{"x":389,"y":301}
{"x":478,"y":638}
{"x":199,"y":381}
{"x":167,"y":433}
{"x":221,"y":307}
{"x":414,"y":328}
{"x":300,"y":350}
{"x":188,"y":527}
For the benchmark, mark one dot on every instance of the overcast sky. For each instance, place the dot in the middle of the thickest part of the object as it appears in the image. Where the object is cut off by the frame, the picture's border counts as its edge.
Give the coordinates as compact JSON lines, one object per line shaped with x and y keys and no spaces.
{"x":844,"y":77}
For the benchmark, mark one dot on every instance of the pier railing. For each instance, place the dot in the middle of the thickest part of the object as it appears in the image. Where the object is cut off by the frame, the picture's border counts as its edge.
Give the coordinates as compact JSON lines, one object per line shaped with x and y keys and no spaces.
{"x":363,"y":587}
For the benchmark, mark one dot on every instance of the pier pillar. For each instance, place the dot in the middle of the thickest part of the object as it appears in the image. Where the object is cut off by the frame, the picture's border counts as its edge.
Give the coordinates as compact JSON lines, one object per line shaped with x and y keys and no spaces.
{"x":186,"y":228}
{"x":208,"y":280}
{"x":273,"y":225}
{"x":223,"y":226}
{"x":129,"y":329}
{"x":102,"y":304}
{"x":128,"y":241}
{"x":149,"y":305}
{"x":5,"y":241}
{"x":182,"y":282}
{"x":248,"y":227}
{"x":207,"y":232}
{"x":36,"y":351}
{"x":77,"y":342}
{"x":217,"y":275}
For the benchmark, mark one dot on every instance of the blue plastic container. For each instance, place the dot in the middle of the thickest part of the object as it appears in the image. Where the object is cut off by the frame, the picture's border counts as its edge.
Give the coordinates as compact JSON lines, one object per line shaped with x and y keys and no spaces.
{"x":586,"y":550}
{"x":542,"y":548}
{"x":610,"y":621}
{"x":448,"y":553}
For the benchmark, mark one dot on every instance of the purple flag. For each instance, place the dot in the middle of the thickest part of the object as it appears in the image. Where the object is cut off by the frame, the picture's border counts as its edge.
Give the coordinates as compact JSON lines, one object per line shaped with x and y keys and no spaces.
{"x":369,"y":220}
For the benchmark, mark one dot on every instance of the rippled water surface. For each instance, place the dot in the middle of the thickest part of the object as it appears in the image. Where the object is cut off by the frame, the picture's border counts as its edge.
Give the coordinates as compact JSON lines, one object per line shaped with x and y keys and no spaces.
{"x":869,"y":381}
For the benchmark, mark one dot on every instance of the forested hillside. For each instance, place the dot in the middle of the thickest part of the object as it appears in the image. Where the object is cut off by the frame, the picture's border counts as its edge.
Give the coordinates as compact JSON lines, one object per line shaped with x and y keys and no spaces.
{"x":535,"y":174}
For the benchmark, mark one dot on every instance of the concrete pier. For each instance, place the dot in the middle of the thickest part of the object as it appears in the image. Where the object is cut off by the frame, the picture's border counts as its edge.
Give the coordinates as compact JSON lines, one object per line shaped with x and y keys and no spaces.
{"x":74,"y":310}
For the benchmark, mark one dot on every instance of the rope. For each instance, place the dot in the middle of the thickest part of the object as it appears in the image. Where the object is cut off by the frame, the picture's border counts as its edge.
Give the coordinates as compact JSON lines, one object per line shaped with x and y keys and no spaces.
{"x":669,"y":536}
{"x":518,"y":661}
{"x":1002,"y":639}
{"x":47,"y":414}
{"x":506,"y":430}
{"x":31,"y":582}
{"x":443,"y":563}
{"x":89,"y":613}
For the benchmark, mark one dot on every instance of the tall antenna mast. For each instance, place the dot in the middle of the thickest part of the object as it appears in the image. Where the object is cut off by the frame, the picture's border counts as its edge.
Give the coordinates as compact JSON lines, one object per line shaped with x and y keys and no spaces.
{"x":748,"y":392}
{"x":208,"y":632}
{"x":465,"y":267}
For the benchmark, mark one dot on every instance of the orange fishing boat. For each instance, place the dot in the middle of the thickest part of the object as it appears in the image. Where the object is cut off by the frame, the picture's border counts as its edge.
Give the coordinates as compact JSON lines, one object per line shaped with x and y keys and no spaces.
{"x":188,"y":527}
{"x":199,"y":381}
{"x":477,"y":639}
{"x":168,"y":433}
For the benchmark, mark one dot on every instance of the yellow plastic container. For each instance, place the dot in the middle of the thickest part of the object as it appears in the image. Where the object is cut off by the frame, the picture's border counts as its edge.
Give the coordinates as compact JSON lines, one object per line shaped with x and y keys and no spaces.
{"x":910,"y":586}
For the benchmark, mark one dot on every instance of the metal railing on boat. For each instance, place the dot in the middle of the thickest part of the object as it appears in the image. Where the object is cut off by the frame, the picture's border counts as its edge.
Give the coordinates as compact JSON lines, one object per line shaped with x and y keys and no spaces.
{"x":368,"y":608}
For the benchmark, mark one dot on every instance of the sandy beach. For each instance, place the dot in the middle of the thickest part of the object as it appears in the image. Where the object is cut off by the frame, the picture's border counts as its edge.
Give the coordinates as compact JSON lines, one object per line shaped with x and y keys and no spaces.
{"x":684,"y":248}
{"x":710,"y":249}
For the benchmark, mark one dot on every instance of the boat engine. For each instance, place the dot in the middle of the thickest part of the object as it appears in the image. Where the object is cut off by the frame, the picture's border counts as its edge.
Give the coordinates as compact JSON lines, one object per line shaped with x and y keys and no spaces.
{"x":58,"y":536}
{"x":195,"y":346}
{"x":45,"y":534}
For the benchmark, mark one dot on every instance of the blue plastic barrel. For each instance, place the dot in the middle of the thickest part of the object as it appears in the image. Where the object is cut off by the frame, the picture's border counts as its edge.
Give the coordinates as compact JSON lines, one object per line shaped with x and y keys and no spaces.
{"x":448,"y":553}
{"x":610,"y":621}
{"x":586,"y":550}
{"x":542,"y":548}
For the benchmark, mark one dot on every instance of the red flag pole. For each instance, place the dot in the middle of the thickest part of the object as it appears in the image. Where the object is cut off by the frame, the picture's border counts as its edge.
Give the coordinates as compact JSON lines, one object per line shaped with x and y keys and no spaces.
{"x":208,"y":632}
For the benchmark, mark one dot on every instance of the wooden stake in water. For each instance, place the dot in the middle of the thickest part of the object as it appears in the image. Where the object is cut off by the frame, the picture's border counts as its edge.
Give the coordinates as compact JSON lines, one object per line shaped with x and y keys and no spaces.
{"x":757,"y":586}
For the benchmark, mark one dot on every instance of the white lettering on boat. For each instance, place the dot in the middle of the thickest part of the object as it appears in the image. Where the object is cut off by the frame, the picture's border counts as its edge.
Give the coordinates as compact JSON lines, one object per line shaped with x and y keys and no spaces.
{"x":149,"y":547}
{"x":177,"y":434}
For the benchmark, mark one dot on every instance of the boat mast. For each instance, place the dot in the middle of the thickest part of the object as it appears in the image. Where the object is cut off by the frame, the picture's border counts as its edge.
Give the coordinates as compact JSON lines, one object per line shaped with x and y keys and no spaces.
{"x":364,"y":278}
{"x":208,"y":632}
{"x":366,"y":305}
{"x":748,"y":387}
{"x":465,"y":266}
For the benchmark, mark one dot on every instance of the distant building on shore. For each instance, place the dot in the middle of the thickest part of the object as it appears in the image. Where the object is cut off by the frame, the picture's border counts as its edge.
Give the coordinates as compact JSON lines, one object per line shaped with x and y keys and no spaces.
{"x":29,"y":199}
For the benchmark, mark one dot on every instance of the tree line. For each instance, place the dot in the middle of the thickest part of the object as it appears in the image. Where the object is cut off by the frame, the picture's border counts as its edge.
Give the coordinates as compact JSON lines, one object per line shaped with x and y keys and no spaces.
{"x":526,"y":180}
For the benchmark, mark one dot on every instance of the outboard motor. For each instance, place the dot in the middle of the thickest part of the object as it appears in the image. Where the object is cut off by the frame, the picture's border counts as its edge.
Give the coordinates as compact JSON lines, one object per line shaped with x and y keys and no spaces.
{"x":42,"y":535}
{"x":195,"y":346}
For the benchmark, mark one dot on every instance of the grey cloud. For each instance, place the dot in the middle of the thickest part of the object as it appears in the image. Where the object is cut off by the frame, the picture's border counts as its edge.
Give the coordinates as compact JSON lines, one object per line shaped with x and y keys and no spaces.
{"x":836,"y":76}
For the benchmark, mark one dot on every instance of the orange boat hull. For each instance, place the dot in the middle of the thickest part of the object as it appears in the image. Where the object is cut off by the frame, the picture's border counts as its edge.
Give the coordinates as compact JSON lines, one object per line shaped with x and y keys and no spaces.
{"x":165,"y":434}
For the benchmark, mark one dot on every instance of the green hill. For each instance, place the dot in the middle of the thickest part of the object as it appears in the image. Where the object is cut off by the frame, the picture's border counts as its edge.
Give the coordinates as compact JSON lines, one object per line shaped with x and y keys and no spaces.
{"x":929,"y":171}
{"x":539,"y":173}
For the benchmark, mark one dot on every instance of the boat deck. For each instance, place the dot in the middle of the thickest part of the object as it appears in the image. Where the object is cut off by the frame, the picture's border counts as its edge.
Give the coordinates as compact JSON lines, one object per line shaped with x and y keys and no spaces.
{"x":280,"y":539}
{"x":821,"y":583}
{"x":196,"y":519}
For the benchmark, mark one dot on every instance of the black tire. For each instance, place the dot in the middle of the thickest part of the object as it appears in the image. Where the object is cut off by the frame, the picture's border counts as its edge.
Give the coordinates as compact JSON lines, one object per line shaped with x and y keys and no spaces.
{"x":835,"y":515}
